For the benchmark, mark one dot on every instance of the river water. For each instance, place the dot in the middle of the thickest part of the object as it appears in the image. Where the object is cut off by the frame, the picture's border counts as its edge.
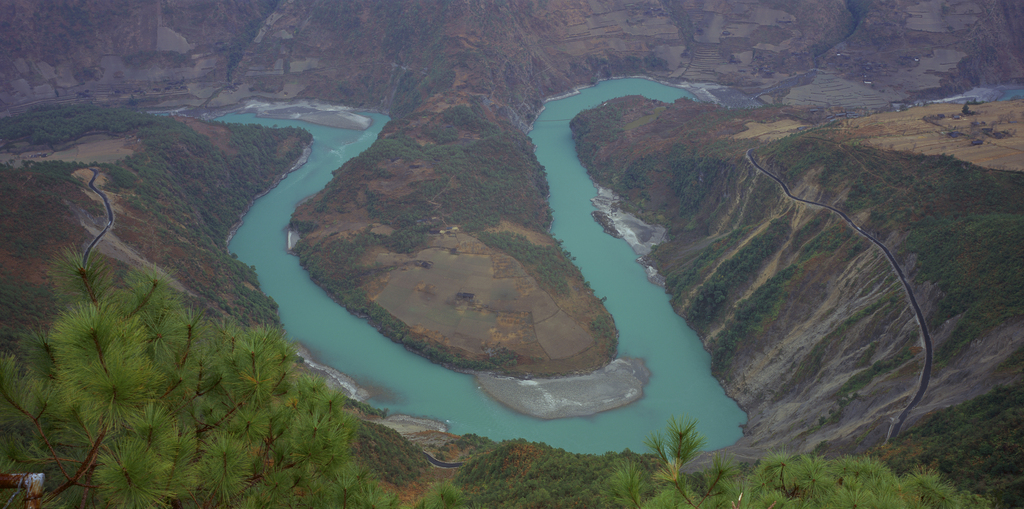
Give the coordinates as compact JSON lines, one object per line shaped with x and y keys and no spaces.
{"x":681,"y":381}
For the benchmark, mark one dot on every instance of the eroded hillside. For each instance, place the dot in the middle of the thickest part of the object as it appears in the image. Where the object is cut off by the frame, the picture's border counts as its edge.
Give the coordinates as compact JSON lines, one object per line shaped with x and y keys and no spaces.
{"x":177,"y":187}
{"x":808,"y":326}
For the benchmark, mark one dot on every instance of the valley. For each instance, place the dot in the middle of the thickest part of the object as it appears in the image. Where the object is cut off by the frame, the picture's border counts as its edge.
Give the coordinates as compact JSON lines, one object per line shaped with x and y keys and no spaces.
{"x":442,"y":233}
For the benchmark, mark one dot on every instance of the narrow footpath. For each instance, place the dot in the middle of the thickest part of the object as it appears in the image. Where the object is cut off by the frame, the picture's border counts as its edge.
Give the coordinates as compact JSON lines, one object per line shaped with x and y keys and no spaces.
{"x":897,"y":423}
{"x":110,"y":215}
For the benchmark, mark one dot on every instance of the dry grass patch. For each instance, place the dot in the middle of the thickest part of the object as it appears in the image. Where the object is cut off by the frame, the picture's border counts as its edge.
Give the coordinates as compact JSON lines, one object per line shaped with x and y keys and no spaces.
{"x":462,"y":294}
{"x":920,"y":130}
{"x":769,"y":131}
{"x":533,"y":236}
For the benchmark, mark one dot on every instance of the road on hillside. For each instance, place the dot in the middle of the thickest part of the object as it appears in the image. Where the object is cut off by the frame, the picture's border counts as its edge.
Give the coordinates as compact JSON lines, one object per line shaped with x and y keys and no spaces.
{"x":110,"y":215}
{"x":894,"y":428}
{"x":438,"y":463}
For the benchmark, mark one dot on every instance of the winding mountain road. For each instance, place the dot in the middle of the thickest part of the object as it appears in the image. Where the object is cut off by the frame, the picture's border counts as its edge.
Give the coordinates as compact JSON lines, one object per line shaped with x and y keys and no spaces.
{"x":440,"y":464}
{"x":897,"y":423}
{"x":110,"y":215}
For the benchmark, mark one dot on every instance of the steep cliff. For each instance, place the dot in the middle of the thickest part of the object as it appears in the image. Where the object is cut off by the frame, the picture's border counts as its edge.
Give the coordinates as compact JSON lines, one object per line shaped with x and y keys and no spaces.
{"x":808,"y":325}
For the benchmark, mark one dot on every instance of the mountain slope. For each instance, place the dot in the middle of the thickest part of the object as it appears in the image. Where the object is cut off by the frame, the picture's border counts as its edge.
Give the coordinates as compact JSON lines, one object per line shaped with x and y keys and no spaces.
{"x":806,"y":321}
{"x":177,"y":187}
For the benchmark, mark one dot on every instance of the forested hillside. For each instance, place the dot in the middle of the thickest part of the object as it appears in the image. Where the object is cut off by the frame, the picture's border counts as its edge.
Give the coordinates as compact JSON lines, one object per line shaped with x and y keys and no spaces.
{"x":176,"y":198}
{"x":461,"y":182}
{"x":806,"y":321}
{"x":808,"y":327}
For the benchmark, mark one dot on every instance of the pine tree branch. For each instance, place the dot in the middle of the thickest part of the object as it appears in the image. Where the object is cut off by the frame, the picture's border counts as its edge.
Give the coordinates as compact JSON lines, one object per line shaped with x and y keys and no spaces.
{"x":171,"y":388}
{"x":207,"y":427}
{"x":84,"y":274}
{"x":39,"y":428}
{"x":188,"y":345}
{"x":99,"y":350}
{"x":145,"y":300}
{"x":85,"y":492}
{"x":712,"y":487}
{"x":82,"y":469}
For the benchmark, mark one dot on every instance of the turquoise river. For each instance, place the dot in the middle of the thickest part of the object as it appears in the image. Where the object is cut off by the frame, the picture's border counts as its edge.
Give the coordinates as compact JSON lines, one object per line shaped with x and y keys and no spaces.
{"x":680,"y":383}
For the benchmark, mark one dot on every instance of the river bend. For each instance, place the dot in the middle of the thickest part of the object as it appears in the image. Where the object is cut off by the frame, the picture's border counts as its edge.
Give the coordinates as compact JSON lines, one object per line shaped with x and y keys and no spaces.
{"x":680,"y":381}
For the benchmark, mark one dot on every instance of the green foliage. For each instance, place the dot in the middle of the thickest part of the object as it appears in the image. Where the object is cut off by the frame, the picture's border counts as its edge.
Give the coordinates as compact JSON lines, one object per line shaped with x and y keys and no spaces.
{"x":468,"y":443}
{"x":473,"y":184}
{"x":978,"y":444}
{"x":303,"y":227}
{"x":469,"y":119}
{"x":181,"y":195}
{"x":32,"y":226}
{"x":733,"y":273}
{"x":963,"y":223}
{"x":341,"y":274}
{"x":524,"y":474}
{"x":751,"y":313}
{"x":779,"y":480}
{"x":197,"y":192}
{"x":604,"y":327}
{"x":899,"y":189}
{"x":681,"y":280}
{"x":365,"y":409}
{"x":387,"y":454}
{"x":692,"y":177}
{"x":978,"y":263}
{"x":827,"y":241}
{"x":592,"y":130}
{"x":135,"y":401}
{"x":551,"y":266}
{"x":53,"y":125}
{"x":24,"y":306}
{"x":443,"y":495}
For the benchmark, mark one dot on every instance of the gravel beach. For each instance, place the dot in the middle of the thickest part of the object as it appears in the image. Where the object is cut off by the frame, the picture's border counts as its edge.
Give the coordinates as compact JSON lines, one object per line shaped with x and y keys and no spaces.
{"x":640,"y":236}
{"x":612,"y":386}
{"x":335,"y":379}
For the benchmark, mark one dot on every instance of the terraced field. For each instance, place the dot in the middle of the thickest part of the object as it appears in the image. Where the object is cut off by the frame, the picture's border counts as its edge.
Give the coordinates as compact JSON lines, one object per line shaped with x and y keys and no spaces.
{"x":990,"y":138}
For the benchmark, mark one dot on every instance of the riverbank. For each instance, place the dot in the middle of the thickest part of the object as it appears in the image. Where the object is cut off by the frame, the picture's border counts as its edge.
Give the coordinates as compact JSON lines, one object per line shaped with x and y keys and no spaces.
{"x":335,"y":379}
{"x":618,"y":384}
{"x":314,"y":112}
{"x":982,"y":94}
{"x":640,"y":236}
{"x":706,"y":92}
{"x":408,"y":385}
{"x":299,"y":163}
{"x":402,"y":423}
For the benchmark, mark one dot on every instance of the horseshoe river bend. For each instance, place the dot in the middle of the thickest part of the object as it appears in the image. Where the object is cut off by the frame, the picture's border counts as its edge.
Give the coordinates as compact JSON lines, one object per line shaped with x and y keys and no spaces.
{"x":388,"y":376}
